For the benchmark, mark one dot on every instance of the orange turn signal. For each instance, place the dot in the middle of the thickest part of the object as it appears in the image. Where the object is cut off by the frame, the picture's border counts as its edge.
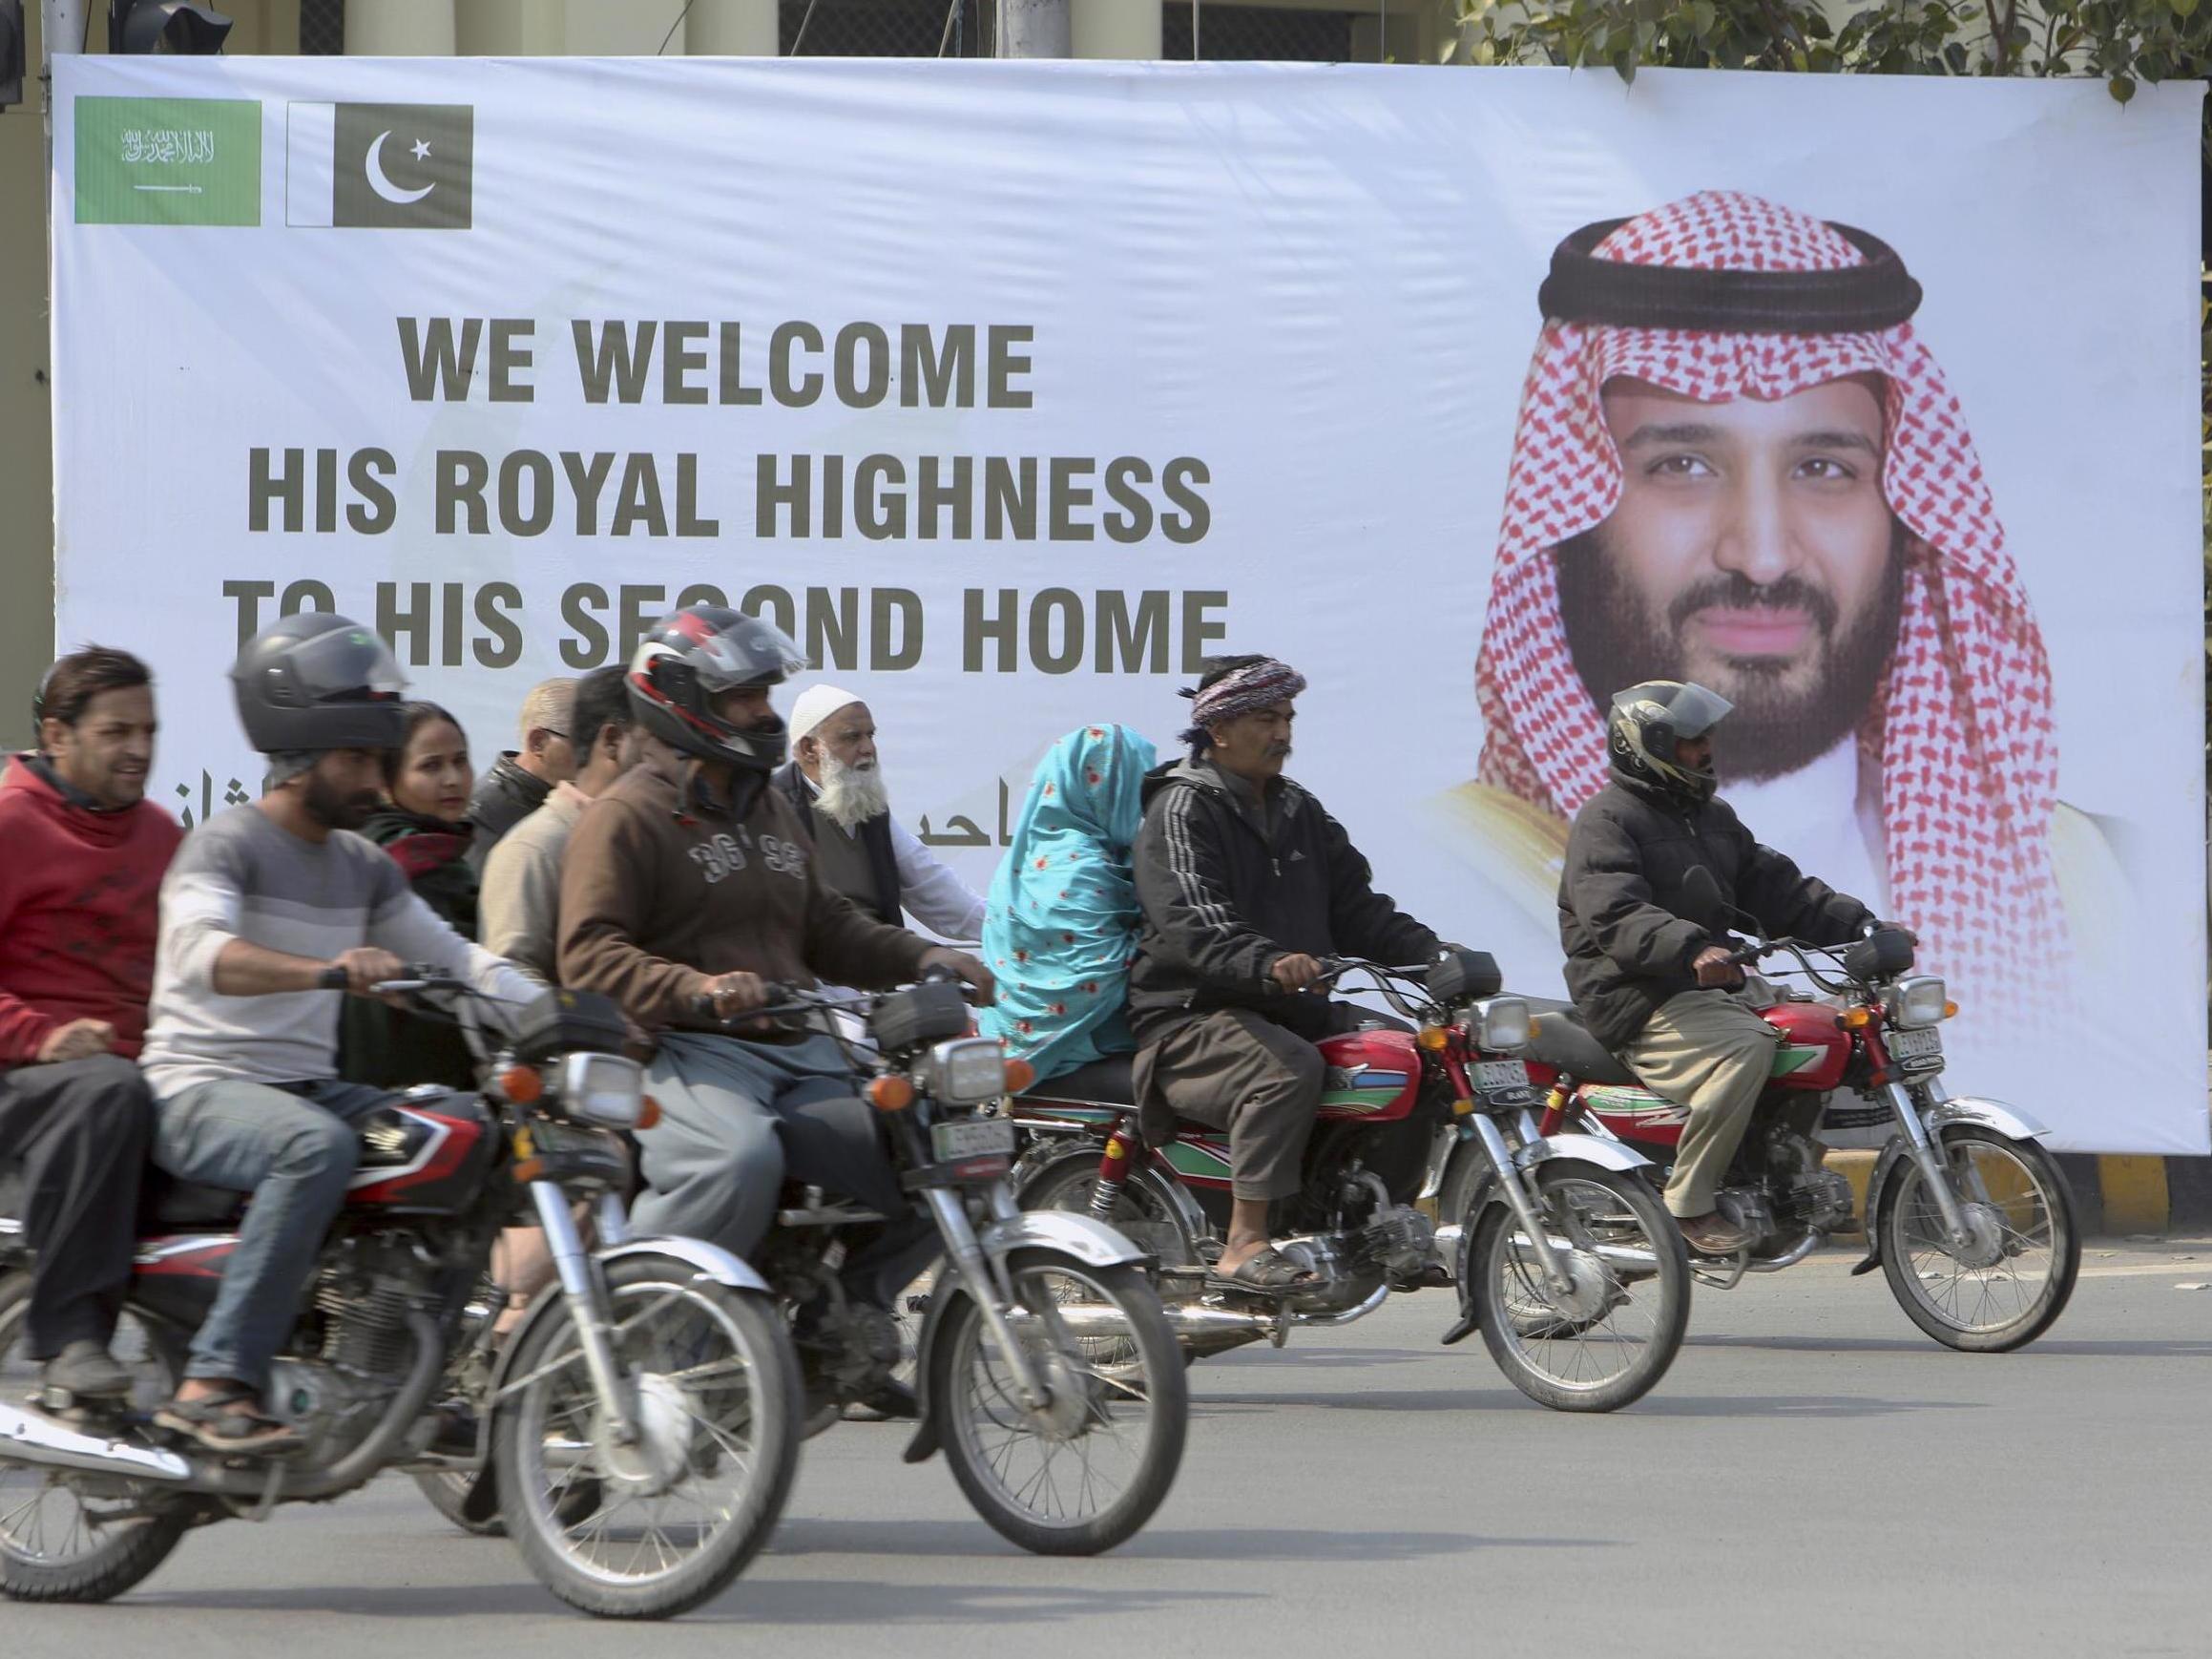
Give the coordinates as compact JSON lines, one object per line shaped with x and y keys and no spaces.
{"x":648,"y":1113}
{"x":1432,"y":1037}
{"x":1855,"y":1018}
{"x":529,"y":1170}
{"x":523,"y":1085}
{"x":1019,"y":1075}
{"x":1461,"y":1107}
{"x":1951,"y":1010}
{"x":890,"y":1093}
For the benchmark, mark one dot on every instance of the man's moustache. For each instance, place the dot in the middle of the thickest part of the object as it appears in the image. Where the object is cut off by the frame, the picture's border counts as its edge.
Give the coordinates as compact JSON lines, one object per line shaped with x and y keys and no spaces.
{"x":1737,"y":592}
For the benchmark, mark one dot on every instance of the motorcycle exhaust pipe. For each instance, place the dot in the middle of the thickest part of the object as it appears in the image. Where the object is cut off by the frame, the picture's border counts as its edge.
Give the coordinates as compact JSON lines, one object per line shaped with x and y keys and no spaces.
{"x":1197,"y":1327}
{"x":32,"y":1437}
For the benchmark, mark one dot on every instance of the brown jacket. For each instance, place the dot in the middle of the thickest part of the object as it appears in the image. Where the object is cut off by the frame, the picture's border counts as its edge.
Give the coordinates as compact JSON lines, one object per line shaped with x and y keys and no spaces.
{"x":660,"y":893}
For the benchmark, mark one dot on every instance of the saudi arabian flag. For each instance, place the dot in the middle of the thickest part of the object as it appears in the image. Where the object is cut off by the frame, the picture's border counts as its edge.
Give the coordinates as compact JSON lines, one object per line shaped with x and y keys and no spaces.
{"x":168,"y":161}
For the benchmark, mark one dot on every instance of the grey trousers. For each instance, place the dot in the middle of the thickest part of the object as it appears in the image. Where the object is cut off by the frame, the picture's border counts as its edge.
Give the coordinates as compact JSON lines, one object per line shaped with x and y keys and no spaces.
{"x":739,"y":1118}
{"x":1232,"y":1070}
{"x":1708,"y":1052}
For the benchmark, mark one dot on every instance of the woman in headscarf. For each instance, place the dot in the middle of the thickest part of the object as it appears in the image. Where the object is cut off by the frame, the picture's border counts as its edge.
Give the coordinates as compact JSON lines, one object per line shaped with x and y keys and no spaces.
{"x":424,"y":827}
{"x":1062,"y":920}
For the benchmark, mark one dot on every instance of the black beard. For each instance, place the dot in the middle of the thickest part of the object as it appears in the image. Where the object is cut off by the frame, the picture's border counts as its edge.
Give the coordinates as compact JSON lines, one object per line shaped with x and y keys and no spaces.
{"x":1617,"y":643}
{"x":335,"y":810}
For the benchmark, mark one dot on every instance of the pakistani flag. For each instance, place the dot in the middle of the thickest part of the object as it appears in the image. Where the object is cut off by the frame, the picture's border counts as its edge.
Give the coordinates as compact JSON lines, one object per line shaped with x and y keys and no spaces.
{"x":396,"y":166}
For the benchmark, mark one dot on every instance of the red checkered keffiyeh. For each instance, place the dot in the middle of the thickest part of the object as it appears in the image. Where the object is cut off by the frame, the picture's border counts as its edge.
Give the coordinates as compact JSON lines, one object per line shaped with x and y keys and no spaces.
{"x":1962,"y":727}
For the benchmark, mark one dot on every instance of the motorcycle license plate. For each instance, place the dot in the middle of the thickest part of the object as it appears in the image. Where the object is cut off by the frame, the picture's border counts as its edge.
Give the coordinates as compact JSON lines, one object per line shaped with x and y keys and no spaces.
{"x":1500,"y":1076}
{"x":981,"y":1138}
{"x":1918,"y":1050}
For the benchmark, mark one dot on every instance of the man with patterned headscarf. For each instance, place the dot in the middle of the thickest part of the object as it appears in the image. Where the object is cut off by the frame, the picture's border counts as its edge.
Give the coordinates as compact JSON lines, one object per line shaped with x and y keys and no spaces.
{"x":1736,"y":464}
{"x":1244,"y":883}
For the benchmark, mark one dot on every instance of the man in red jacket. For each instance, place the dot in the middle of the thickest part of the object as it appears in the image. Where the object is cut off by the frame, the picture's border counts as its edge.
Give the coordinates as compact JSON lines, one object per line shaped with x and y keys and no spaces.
{"x":78,"y":891}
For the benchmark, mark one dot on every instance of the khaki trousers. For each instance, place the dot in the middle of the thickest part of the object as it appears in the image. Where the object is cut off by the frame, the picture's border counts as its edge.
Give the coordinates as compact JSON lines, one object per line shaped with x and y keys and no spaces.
{"x":1707,"y":1052}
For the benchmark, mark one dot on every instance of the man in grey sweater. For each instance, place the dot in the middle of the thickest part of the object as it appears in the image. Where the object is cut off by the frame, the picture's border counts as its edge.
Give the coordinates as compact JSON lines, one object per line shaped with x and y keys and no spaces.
{"x":267,"y":913}
{"x":520,"y":906}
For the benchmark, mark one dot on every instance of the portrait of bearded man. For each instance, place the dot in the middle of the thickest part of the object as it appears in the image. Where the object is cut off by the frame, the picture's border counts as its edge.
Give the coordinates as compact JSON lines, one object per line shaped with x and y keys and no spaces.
{"x":1737,"y":464}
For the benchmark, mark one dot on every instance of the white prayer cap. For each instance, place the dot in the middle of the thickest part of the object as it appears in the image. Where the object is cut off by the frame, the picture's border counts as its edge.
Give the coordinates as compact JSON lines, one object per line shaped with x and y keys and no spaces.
{"x":816,"y":705}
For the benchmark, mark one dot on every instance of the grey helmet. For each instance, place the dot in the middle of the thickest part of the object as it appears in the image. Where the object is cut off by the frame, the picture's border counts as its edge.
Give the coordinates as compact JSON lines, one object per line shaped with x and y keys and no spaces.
{"x":311,"y":682}
{"x":1646,"y":723}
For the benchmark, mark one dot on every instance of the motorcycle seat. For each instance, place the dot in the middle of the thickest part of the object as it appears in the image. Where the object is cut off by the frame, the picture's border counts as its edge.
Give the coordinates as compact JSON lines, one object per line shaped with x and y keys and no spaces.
{"x":1564,"y":1043}
{"x":165,"y":1201}
{"x":1103,"y":1083}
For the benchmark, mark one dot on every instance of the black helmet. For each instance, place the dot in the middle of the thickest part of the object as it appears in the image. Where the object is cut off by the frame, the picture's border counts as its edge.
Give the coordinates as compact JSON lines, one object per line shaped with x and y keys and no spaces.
{"x":312,"y":682}
{"x":694,"y":655}
{"x":1647,"y":722}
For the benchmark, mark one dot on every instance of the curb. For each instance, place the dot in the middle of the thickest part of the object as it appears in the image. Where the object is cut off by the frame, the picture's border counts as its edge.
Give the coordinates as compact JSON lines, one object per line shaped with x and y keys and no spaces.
{"x":2113,"y":1193}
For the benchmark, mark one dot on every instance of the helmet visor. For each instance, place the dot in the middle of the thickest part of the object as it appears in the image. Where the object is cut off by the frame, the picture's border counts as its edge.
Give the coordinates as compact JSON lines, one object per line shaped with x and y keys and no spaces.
{"x":1693,"y":711}
{"x":749,"y":652}
{"x":346,"y":665}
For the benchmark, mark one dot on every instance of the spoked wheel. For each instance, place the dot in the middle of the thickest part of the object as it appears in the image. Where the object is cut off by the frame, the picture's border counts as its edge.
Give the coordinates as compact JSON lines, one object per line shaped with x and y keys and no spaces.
{"x":2012,"y":1282}
{"x":73,"y":1536}
{"x":682,"y":1508}
{"x":1084,"y":1470}
{"x":1607,"y":1339}
{"x":1142,"y":1214}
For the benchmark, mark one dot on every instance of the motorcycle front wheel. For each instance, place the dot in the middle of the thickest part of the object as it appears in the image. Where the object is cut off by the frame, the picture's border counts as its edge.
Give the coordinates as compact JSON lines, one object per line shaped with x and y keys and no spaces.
{"x":71,"y":1537}
{"x":683,"y":1507}
{"x":1085,"y":1470}
{"x":2010,"y":1289}
{"x":1608,"y":1340}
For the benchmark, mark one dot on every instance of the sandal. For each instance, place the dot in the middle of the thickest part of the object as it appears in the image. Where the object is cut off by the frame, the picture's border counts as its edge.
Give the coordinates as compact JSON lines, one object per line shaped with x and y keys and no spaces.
{"x":211,"y":1421}
{"x":1269,"y":1274}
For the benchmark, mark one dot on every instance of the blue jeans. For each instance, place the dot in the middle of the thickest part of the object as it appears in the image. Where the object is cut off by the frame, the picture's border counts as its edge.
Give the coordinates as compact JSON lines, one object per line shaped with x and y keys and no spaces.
{"x":294,"y":1147}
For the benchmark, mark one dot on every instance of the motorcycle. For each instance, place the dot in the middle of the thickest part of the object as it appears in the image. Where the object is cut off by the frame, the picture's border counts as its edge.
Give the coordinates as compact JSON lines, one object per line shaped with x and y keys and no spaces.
{"x":1967,"y":1213}
{"x":642,"y":1420}
{"x":1060,"y":1455}
{"x":1567,"y":1261}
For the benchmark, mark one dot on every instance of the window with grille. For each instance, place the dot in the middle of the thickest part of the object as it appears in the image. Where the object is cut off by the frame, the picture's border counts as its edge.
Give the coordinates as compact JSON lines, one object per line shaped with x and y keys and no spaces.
{"x":321,"y":28}
{"x":1234,"y":34}
{"x":884,"y":28}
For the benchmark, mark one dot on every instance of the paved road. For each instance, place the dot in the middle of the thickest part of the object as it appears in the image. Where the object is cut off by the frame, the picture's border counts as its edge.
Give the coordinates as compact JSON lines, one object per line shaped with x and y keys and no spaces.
{"x":1813,"y":1477}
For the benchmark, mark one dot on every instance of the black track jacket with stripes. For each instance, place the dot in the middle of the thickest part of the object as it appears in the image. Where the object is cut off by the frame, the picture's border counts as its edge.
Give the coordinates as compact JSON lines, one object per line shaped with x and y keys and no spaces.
{"x":1222,"y":898}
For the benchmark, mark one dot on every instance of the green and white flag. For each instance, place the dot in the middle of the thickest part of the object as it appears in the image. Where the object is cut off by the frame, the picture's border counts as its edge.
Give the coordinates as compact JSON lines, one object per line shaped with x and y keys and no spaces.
{"x":394,"y":166}
{"x":168,"y":161}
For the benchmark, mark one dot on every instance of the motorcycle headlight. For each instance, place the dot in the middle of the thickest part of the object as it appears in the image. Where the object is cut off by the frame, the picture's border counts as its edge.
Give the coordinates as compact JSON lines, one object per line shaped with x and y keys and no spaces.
{"x":1918,"y":1001}
{"x":603,"y":1088}
{"x":967,"y":1071}
{"x":1501,"y":1024}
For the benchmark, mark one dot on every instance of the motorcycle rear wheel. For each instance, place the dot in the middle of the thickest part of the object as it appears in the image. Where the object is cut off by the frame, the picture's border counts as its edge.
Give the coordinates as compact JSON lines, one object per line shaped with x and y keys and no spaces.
{"x":1989,"y":1310}
{"x":1582,"y":1360}
{"x":1118,"y":1427}
{"x":719,"y":1395}
{"x":57,"y":1544}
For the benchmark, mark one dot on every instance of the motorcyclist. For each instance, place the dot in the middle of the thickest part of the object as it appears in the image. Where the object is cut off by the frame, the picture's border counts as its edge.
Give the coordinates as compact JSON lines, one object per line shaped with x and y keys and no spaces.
{"x":264,"y":906}
{"x":86,"y":851}
{"x":1647,"y":936}
{"x":688,"y":887}
{"x":1245,"y":882}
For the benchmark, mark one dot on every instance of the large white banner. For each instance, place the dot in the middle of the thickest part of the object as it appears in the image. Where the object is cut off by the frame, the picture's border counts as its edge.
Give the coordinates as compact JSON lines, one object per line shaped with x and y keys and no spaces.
{"x":1014,"y":391}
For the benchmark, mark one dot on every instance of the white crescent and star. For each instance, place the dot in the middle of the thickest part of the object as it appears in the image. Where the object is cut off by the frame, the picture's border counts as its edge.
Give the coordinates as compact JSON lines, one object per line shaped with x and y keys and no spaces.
{"x":383,"y":185}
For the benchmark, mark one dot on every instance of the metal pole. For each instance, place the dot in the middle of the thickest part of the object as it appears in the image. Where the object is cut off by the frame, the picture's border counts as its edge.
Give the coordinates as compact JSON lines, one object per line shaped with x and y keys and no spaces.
{"x":61,"y":29}
{"x":1037,"y":28}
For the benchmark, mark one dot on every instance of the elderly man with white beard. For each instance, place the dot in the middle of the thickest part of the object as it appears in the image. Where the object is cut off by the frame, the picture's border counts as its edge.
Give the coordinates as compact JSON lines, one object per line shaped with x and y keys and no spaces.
{"x":836,"y":781}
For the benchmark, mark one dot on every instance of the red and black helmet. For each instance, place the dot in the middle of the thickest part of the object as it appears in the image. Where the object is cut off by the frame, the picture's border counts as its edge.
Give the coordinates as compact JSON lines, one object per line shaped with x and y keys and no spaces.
{"x":694,"y":655}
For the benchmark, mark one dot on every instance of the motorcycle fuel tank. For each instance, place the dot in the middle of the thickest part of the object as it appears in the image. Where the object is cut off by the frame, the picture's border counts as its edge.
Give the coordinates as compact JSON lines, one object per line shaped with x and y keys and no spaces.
{"x":1373,"y":1076}
{"x":1814,"y":1049}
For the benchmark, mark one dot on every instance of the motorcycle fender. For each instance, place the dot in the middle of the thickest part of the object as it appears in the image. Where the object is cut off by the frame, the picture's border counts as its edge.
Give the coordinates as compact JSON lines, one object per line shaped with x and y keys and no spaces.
{"x":1089,"y":1240}
{"x":1958,"y":1109}
{"x":1615,"y":1155}
{"x":712,"y":1262}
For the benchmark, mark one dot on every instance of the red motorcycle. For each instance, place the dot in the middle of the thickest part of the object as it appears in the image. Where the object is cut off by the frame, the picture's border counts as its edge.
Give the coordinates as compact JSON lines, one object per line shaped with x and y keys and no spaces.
{"x":653,"y":1396}
{"x":1966,"y":1214}
{"x":1571,"y":1268}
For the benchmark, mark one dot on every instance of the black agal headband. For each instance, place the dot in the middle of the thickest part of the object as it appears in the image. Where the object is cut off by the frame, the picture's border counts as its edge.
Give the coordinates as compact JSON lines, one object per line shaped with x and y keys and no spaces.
{"x":1860,"y":298}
